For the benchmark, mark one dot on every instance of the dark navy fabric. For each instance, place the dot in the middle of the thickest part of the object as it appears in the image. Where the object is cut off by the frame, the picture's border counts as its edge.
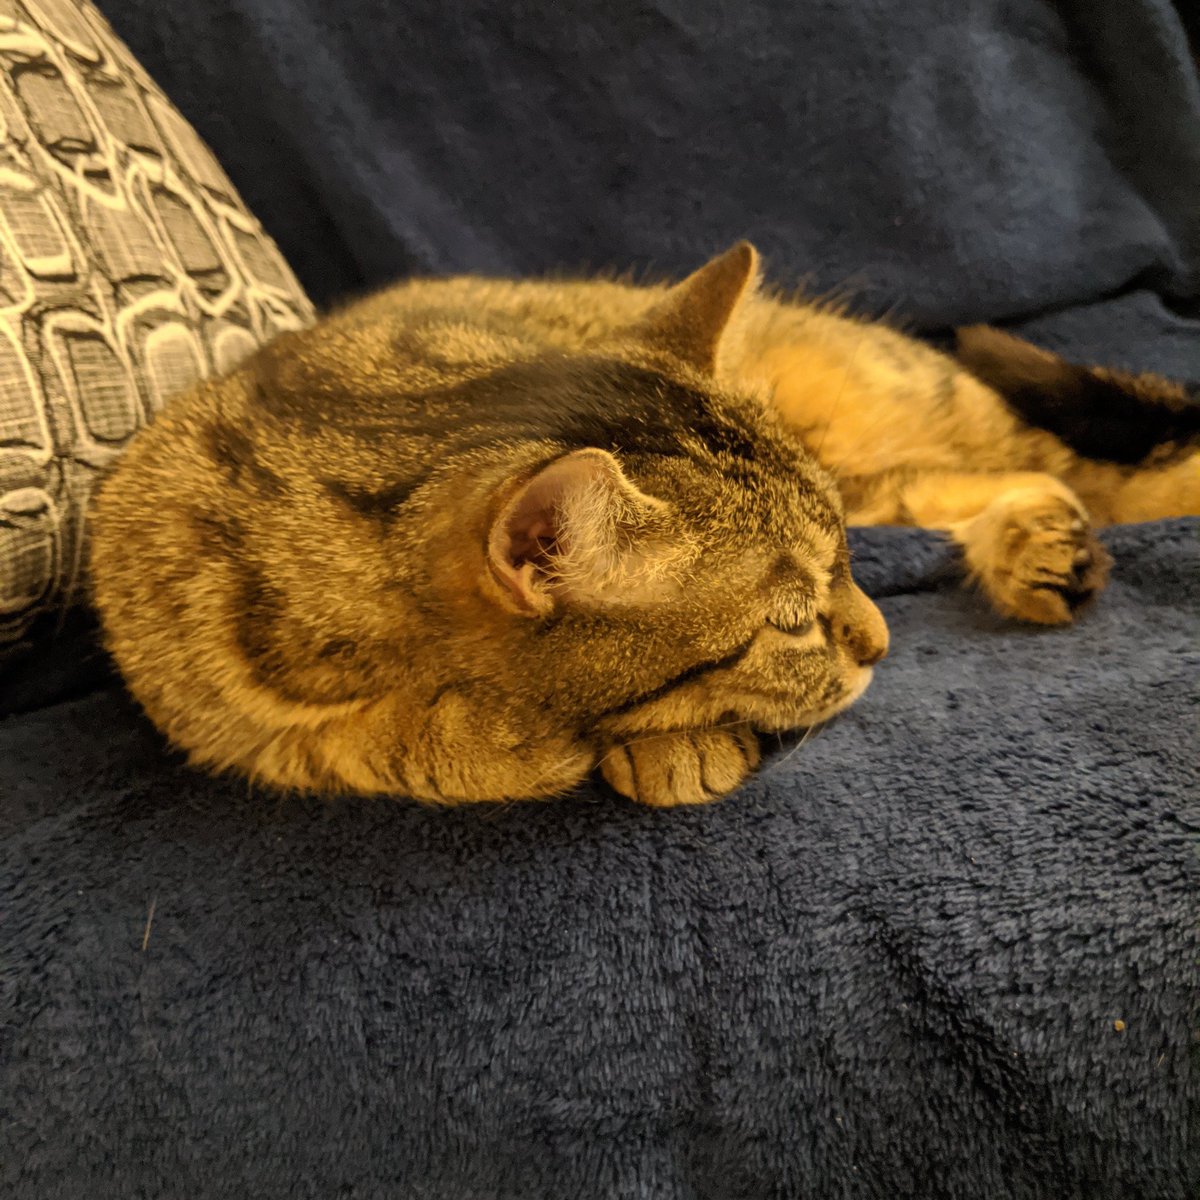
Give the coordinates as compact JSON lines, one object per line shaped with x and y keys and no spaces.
{"x":948,"y":948}
{"x":945,"y":949}
{"x":950,"y":161}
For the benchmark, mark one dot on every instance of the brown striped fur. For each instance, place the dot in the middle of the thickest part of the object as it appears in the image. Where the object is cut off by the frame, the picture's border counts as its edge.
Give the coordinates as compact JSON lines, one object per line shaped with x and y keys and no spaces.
{"x":468,"y":539}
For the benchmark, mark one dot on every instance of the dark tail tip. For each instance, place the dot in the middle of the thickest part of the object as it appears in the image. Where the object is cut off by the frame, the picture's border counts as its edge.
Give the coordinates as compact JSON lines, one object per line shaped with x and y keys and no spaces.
{"x":1113,"y":416}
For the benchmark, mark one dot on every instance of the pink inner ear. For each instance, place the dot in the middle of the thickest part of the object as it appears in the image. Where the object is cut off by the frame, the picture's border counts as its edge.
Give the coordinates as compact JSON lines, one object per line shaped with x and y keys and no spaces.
{"x":528,"y":535}
{"x":526,"y":538}
{"x":531,"y":527}
{"x":534,"y":542}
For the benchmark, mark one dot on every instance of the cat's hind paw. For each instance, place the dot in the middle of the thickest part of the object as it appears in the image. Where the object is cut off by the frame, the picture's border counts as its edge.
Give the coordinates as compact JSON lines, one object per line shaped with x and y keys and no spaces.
{"x":1035,"y":556}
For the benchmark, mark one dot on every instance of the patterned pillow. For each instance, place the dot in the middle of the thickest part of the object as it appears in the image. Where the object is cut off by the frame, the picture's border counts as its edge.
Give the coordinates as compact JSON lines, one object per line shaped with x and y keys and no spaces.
{"x":129,"y":267}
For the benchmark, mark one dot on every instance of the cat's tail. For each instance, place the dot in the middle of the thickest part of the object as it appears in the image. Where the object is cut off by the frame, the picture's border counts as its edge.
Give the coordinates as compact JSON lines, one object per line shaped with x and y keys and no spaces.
{"x":1109,"y":415}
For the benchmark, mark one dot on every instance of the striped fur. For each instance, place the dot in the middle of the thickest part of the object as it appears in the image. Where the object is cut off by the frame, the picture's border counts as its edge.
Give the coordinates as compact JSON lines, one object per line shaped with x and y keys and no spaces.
{"x":470,"y":539}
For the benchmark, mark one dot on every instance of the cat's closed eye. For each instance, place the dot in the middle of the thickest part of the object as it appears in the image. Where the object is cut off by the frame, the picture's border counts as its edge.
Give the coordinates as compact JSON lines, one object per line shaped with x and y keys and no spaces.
{"x":792,"y":627}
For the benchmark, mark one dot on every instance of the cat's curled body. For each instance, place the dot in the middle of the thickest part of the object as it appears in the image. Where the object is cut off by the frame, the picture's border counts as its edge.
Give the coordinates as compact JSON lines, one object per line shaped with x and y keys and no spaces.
{"x":469,"y":539}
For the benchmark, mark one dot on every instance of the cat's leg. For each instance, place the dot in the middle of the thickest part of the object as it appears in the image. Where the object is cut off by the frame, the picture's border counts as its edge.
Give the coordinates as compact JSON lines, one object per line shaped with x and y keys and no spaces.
{"x":454,"y":749}
{"x":690,"y":766}
{"x":1153,"y":493}
{"x":1026,"y":538}
{"x":456,"y":754}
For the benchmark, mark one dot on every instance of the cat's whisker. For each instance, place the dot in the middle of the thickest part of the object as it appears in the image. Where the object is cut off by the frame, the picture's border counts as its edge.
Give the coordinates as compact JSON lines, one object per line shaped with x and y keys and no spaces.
{"x":837,"y":400}
{"x":811,"y":732}
{"x":664,"y":733}
{"x":552,"y":770}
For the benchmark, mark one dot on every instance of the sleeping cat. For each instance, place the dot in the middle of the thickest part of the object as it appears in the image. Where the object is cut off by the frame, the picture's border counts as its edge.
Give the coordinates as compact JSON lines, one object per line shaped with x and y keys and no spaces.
{"x":471,"y":539}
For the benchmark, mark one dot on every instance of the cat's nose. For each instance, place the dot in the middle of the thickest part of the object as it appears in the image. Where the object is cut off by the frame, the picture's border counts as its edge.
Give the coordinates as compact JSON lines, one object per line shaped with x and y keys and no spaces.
{"x":865,"y":644}
{"x":868,"y":658}
{"x":864,"y":631}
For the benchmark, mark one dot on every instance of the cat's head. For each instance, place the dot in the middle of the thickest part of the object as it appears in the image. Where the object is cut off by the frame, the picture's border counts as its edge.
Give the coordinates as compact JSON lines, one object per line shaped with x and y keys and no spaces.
{"x":684,"y":562}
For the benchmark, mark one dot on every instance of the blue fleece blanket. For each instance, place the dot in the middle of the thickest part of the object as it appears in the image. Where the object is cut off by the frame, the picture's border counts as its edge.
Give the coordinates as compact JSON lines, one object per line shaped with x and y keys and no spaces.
{"x":949,"y":161}
{"x":946,"y":949}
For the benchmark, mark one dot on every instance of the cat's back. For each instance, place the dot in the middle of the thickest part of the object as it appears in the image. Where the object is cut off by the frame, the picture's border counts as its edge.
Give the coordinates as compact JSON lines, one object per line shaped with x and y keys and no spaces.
{"x":562,"y":314}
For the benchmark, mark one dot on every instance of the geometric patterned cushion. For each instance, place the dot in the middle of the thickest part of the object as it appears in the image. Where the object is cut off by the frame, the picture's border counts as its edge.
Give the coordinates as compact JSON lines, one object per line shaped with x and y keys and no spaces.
{"x":129,"y":267}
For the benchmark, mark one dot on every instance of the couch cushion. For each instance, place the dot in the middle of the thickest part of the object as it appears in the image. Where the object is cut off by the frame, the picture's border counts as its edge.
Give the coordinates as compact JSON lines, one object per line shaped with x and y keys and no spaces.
{"x":129,"y":267}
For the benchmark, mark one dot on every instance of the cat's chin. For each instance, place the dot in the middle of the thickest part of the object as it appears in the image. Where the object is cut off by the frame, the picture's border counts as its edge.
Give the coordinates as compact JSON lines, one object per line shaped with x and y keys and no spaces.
{"x":818,"y":716}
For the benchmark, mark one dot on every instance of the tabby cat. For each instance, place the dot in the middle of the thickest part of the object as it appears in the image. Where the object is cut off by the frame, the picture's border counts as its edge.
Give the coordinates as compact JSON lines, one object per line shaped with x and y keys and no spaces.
{"x":470,"y":539}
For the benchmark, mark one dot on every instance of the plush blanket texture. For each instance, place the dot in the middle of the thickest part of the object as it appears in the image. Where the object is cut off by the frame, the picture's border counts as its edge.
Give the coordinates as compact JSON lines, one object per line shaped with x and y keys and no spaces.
{"x":946,"y":949}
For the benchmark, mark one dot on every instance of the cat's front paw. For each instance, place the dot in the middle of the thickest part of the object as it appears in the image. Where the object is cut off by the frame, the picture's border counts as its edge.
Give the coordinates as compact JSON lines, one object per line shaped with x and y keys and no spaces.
{"x":1036,"y":557}
{"x":681,"y":767}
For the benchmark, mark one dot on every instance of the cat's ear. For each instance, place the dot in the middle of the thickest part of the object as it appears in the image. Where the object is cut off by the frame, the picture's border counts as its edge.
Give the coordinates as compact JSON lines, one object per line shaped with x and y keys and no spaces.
{"x":578,"y":531}
{"x":691,"y":321}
